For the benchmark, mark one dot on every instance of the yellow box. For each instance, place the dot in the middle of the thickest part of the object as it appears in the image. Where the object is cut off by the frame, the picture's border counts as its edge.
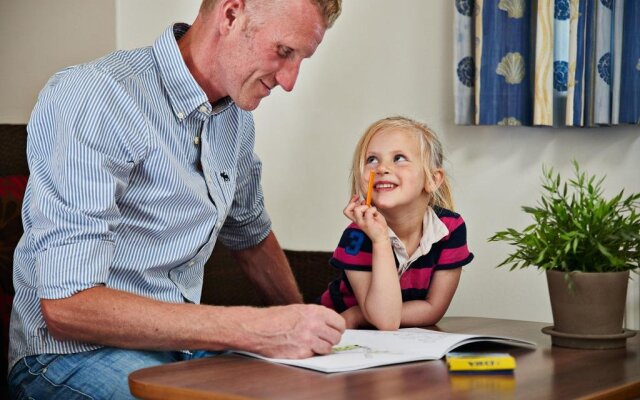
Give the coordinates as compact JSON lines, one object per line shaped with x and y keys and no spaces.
{"x":480,"y":362}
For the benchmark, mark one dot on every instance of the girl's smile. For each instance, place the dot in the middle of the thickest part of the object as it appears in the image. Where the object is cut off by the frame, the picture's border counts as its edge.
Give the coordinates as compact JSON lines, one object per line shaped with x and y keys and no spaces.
{"x":384,"y":186}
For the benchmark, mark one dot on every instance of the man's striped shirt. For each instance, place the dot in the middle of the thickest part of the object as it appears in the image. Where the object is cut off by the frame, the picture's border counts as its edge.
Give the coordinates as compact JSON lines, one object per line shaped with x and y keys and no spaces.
{"x":134,"y":175}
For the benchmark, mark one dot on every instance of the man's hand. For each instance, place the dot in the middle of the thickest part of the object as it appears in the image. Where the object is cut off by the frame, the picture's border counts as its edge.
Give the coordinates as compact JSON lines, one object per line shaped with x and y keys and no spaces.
{"x":295,"y":331}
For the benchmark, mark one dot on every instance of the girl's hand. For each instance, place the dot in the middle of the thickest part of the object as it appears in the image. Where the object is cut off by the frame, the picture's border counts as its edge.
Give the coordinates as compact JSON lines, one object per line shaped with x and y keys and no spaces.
{"x":368,"y":219}
{"x":354,"y":318}
{"x":353,"y":203}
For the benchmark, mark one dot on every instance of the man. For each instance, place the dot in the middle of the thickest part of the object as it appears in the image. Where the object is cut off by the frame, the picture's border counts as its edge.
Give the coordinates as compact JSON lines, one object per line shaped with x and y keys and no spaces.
{"x":139,"y":161}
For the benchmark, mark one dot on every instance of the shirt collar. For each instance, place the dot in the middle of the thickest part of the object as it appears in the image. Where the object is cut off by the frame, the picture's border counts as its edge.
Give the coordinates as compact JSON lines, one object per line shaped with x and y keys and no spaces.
{"x":185,"y":95}
{"x":433,"y":230}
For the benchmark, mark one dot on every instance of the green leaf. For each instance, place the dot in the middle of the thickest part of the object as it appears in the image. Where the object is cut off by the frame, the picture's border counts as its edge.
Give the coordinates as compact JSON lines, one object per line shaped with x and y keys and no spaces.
{"x":575,"y":227}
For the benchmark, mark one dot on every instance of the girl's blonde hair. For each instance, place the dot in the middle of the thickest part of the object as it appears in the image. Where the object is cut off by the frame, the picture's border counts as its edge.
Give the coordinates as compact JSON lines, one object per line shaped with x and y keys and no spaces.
{"x":430,"y":154}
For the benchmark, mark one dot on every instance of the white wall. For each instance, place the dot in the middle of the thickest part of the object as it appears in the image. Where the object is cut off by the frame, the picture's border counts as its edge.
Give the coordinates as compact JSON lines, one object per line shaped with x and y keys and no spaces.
{"x":140,"y":22}
{"x":39,"y":37}
{"x":383,"y":58}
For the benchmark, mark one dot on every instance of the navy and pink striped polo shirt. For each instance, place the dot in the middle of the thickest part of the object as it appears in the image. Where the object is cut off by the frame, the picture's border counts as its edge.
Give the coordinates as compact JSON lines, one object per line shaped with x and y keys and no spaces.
{"x":354,"y":253}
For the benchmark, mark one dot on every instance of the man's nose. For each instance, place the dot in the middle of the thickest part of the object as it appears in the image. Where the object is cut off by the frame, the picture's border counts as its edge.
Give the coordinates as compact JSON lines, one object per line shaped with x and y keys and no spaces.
{"x":288,"y":74}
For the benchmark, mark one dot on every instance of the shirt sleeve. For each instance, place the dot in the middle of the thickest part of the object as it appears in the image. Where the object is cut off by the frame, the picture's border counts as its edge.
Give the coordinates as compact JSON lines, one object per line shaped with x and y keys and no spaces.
{"x":247,"y":223}
{"x":80,"y":161}
{"x":353,"y":251}
{"x":454,"y":251}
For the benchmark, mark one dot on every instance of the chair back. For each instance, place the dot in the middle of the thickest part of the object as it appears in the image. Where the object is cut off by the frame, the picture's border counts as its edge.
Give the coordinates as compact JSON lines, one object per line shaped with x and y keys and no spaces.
{"x":13,"y":180}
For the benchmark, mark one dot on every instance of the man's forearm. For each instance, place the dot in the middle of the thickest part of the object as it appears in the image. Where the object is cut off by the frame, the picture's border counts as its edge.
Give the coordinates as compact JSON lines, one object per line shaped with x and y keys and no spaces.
{"x":268,"y":269}
{"x":114,"y":318}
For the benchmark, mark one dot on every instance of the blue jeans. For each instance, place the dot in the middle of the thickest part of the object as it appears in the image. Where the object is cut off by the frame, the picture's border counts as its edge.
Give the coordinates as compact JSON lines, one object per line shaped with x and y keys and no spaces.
{"x":97,"y":374}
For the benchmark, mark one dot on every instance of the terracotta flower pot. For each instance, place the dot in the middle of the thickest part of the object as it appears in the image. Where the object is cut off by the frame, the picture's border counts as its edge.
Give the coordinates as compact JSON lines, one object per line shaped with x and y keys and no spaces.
{"x":591,"y":313}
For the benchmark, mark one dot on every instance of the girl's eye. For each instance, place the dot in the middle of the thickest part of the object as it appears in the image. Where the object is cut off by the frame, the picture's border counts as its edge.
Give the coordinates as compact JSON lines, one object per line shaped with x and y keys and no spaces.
{"x":371,"y":160}
{"x":399,"y":157}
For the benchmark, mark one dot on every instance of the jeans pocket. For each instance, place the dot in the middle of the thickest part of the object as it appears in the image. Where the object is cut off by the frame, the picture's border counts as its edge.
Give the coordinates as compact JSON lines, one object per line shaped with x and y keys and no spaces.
{"x":45,"y":376}
{"x":39,"y":364}
{"x":26,"y":373}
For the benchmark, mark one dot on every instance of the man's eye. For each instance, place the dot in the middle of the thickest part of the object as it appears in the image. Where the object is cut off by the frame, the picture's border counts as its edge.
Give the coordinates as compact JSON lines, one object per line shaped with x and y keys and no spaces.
{"x":284,"y":51}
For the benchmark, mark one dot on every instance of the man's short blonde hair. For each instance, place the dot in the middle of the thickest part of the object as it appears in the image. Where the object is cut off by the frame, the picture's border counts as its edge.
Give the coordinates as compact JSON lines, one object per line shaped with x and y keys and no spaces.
{"x":330,"y":9}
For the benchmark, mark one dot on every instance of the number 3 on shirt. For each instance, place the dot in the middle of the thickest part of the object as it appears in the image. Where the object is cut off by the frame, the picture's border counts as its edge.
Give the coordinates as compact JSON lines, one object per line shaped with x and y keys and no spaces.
{"x":356,"y":240}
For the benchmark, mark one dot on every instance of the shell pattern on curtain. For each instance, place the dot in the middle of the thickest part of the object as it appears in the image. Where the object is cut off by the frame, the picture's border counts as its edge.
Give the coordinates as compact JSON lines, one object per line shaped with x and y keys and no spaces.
{"x":547,"y":62}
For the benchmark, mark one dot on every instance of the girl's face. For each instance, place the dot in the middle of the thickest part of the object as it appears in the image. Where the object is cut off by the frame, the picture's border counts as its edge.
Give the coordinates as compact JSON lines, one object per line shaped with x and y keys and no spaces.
{"x":394,"y":155}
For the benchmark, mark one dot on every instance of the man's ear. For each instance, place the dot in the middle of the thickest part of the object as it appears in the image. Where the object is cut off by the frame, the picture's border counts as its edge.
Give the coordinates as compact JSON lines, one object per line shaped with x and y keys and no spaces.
{"x":230,"y":12}
{"x":437,"y":176}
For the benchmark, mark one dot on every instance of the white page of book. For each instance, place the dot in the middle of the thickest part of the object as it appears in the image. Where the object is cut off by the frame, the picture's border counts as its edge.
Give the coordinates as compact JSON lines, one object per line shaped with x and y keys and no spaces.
{"x":360,"y":349}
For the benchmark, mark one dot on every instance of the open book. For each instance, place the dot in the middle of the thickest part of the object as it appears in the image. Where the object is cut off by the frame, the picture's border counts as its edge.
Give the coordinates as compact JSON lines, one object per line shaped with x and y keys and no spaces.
{"x":361,"y":349}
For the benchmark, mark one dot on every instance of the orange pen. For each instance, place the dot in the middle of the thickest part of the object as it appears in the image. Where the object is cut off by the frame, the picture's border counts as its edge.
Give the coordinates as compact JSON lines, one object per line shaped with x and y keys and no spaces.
{"x":372,"y":175}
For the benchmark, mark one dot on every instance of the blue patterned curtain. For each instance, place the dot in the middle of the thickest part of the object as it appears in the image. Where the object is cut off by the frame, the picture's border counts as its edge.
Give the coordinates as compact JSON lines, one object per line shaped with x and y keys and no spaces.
{"x":550,"y":63}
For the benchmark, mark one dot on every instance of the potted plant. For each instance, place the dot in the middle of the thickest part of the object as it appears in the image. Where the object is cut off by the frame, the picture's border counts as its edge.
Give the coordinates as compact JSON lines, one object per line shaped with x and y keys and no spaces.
{"x":587,"y":245}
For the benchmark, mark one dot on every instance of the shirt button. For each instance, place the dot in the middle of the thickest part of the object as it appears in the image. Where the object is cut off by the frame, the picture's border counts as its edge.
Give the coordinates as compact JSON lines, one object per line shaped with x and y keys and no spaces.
{"x":218,"y":225}
{"x":191,"y":263}
{"x":203,"y":109}
{"x":180,"y":115}
{"x":196,"y":140}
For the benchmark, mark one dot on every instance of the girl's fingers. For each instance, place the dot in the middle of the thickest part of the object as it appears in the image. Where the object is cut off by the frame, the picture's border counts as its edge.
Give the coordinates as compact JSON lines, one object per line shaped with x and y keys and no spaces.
{"x":353,"y":202}
{"x":379,"y":218}
{"x":348,"y":210}
{"x":371,"y":212}
{"x":358,"y":213}
{"x":349,"y":214}
{"x":373,"y":217}
{"x":361,"y":209}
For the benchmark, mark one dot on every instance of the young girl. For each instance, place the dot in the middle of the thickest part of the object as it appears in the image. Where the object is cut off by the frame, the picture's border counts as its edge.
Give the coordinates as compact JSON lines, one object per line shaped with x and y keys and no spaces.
{"x":401,"y":256}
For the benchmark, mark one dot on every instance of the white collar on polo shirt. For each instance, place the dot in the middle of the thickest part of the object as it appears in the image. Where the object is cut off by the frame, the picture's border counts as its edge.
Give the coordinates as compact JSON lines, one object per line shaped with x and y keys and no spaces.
{"x":433,"y":229}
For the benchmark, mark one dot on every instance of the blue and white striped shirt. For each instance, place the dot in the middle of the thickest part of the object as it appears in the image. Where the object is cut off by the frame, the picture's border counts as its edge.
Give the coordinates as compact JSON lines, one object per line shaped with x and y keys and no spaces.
{"x":134,"y":175}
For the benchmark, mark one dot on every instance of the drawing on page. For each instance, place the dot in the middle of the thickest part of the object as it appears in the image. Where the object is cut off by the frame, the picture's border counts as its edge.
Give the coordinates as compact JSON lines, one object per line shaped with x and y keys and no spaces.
{"x":355,"y":349}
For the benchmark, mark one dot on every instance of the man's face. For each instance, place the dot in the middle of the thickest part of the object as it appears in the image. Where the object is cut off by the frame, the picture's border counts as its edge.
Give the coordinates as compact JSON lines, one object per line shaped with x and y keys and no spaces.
{"x":268,"y":51}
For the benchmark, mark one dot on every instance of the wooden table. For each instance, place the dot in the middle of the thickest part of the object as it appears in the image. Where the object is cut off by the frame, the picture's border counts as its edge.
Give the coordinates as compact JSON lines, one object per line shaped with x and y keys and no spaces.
{"x":545,"y":373}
